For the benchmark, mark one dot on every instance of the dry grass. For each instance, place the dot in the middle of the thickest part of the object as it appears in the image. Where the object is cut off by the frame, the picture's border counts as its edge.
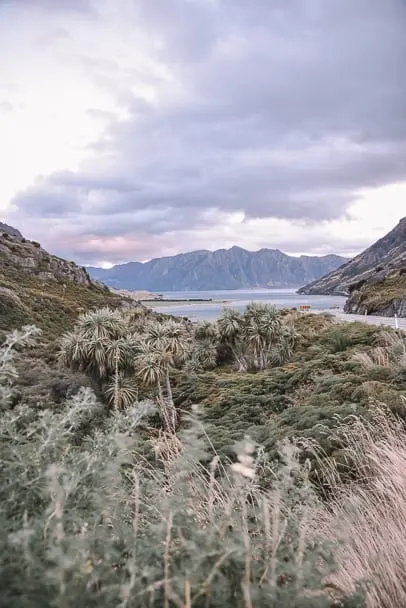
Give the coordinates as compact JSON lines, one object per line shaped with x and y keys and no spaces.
{"x":376,"y":356}
{"x":369,"y":517}
{"x":391,"y":349}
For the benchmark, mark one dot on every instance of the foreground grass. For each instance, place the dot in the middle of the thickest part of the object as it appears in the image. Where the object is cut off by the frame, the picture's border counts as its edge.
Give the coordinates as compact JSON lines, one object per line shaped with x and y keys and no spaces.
{"x":89,"y":523}
{"x":369,"y":517}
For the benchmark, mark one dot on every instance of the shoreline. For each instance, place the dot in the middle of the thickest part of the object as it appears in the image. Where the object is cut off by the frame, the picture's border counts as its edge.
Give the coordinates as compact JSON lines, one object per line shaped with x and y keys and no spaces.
{"x":180,"y":303}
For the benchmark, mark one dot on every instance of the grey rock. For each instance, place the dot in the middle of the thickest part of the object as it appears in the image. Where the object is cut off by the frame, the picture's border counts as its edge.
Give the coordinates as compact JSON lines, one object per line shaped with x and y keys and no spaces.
{"x":21,"y":255}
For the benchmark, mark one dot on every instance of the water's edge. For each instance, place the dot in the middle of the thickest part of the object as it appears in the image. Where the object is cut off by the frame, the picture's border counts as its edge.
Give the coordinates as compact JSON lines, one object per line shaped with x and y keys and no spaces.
{"x":210,"y":311}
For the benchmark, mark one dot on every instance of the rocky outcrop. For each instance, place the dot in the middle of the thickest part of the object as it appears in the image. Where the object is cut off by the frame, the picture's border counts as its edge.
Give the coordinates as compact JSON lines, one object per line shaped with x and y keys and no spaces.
{"x":383,"y":259}
{"x":385,"y":297}
{"x":26,"y":256}
{"x":234,"y":268}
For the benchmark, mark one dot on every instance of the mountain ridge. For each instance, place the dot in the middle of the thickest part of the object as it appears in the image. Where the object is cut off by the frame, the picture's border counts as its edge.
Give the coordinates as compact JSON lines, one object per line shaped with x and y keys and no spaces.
{"x":233,"y":268}
{"x":373,"y":264}
{"x":374,"y":281}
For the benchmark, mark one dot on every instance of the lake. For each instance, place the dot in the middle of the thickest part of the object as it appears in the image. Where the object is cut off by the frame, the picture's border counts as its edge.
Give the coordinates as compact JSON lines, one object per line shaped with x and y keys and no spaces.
{"x":239,"y":298}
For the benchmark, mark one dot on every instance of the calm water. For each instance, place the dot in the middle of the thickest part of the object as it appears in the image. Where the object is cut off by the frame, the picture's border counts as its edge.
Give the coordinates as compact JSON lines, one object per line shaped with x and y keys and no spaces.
{"x":281,"y":298}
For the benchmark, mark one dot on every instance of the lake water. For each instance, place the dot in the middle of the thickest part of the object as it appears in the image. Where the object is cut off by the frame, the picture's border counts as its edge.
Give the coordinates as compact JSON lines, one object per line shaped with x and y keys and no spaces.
{"x":207,"y":311}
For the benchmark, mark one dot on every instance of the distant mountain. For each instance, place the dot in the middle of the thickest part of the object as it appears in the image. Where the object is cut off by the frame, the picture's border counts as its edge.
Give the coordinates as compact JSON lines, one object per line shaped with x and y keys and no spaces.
{"x":6,"y":229}
{"x":234,"y":268}
{"x":371,"y":266}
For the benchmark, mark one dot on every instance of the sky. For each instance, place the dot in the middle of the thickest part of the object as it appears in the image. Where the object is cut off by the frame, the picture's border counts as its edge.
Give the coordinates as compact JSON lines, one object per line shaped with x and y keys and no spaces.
{"x":133,"y":129}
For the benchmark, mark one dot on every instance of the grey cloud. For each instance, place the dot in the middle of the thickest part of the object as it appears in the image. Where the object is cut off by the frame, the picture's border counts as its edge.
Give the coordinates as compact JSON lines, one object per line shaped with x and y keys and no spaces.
{"x":289,"y":108}
{"x":81,"y":6}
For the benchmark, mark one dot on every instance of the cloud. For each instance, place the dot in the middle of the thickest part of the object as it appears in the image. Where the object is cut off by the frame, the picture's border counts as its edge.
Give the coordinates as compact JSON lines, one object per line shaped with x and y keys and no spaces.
{"x":278,"y":111}
{"x":80,"y":6}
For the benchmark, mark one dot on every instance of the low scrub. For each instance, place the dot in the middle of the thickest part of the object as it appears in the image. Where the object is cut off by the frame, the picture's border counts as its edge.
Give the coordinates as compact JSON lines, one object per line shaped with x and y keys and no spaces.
{"x":88,"y":519}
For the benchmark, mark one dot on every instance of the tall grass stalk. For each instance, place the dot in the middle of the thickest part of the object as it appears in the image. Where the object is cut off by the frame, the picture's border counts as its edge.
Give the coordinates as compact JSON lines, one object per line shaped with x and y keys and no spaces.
{"x":368,"y":517}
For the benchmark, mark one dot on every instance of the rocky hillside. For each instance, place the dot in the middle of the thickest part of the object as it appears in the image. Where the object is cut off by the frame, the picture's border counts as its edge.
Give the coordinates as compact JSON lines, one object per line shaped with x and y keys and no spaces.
{"x":40,"y":288}
{"x":234,"y":268}
{"x":372,"y":265}
{"x":28,"y":257}
{"x":375,"y":280}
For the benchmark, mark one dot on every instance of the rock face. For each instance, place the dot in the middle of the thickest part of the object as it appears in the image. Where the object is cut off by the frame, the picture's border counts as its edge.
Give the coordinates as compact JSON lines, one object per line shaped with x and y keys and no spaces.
{"x":384,"y":298}
{"x":370,"y":267}
{"x":27,"y":256}
{"x":234,"y":268}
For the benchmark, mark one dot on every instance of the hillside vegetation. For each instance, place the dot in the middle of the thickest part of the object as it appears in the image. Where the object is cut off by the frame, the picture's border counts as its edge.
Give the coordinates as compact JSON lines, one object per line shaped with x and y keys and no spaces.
{"x":140,"y":499}
{"x":37,"y":287}
{"x":148,"y":462}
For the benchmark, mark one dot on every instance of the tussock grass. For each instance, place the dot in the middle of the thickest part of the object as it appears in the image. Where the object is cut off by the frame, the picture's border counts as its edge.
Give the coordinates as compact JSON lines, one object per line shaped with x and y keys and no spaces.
{"x":368,"y":517}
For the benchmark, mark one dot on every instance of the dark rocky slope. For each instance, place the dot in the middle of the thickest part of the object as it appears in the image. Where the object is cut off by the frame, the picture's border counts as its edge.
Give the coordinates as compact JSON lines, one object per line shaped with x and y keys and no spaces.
{"x":372,"y":265}
{"x":375,"y":280}
{"x":385,"y":298}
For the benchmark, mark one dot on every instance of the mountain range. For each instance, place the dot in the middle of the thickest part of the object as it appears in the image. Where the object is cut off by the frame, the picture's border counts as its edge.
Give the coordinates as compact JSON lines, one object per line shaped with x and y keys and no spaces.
{"x":234,"y":268}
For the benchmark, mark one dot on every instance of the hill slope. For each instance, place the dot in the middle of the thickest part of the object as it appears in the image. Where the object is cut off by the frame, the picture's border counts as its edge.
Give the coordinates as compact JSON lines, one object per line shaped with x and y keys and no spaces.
{"x":375,"y":280}
{"x":373,"y":264}
{"x":233,"y":268}
{"x":42,"y":289}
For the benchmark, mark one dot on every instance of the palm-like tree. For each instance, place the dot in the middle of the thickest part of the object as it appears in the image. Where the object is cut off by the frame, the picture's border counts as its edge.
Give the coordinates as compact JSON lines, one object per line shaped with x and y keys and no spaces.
{"x":256,"y":338}
{"x":153,"y":364}
{"x":206,"y":331}
{"x":120,"y":357}
{"x":204,"y":355}
{"x":170,"y":336}
{"x":166,"y":346}
{"x":287,"y":341}
{"x":230,"y":327}
{"x":84,"y":354}
{"x":121,"y":391}
{"x":205,"y":347}
{"x":101,"y":347}
{"x":103,"y":323}
{"x":230,"y":324}
{"x":262,"y":326}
